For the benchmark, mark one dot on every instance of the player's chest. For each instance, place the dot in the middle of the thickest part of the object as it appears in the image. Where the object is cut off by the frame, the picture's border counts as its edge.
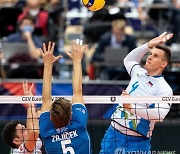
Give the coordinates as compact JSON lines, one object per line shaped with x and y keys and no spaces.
{"x":143,"y":86}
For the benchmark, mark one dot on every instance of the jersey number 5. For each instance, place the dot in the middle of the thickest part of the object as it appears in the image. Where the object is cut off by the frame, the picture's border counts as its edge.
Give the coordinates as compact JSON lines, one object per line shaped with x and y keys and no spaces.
{"x":67,"y":148}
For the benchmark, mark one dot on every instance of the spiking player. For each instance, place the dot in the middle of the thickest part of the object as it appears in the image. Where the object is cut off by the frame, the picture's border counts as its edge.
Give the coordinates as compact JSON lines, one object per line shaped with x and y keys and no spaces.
{"x":132,"y":124}
{"x":63,"y":127}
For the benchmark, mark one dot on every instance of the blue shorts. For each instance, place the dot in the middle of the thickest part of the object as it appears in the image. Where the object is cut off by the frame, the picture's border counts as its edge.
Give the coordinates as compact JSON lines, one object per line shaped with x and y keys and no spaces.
{"x":115,"y":142}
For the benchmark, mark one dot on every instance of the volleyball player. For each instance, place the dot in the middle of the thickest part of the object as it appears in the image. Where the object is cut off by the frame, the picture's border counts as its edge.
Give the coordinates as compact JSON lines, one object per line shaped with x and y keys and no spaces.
{"x":24,"y":140}
{"x":63,"y":125}
{"x":132,"y":124}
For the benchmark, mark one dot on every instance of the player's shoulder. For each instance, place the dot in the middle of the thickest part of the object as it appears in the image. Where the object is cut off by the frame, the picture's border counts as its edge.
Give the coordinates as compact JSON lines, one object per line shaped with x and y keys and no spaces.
{"x":163,"y":82}
{"x":76,"y":105}
{"x":138,"y":70}
{"x":46,"y":113}
{"x":164,"y":87}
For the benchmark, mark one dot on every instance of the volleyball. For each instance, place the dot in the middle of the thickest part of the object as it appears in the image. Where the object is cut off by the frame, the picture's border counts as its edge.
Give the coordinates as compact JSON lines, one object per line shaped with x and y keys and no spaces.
{"x":94,"y":5}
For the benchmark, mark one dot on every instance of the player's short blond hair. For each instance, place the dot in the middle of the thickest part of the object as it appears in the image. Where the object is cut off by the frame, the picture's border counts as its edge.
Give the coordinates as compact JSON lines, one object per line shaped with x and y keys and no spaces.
{"x":61,"y":112}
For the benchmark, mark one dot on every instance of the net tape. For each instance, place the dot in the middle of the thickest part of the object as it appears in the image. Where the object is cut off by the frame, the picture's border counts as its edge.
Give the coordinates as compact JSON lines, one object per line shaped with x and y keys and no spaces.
{"x":94,"y":99}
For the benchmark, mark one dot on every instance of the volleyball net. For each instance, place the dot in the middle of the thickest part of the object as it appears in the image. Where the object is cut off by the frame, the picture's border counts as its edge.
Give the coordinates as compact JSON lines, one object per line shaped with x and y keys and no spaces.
{"x":95,"y":99}
{"x":165,"y":137}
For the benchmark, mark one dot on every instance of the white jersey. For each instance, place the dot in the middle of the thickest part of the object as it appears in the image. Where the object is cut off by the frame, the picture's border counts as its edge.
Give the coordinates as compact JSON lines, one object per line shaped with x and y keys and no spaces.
{"x":143,"y":116}
{"x":22,"y":149}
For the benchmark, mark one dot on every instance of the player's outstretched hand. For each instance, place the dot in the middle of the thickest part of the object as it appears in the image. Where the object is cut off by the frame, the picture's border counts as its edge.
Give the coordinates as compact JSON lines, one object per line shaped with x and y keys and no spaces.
{"x":78,"y":50}
{"x":47,"y":53}
{"x":163,"y":38}
{"x":27,"y":91}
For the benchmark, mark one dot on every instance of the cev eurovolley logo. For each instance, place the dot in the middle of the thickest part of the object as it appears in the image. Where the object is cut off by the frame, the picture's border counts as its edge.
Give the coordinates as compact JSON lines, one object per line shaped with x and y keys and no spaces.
{"x":120,"y":151}
{"x":113,"y":99}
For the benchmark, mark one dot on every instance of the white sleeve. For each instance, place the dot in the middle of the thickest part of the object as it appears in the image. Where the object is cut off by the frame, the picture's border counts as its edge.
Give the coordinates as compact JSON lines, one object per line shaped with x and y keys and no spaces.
{"x":157,"y":113}
{"x":38,"y":144}
{"x":134,"y":57}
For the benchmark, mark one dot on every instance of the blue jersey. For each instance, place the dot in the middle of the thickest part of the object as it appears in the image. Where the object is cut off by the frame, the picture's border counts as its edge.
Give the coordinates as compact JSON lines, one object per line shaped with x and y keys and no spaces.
{"x":72,"y":139}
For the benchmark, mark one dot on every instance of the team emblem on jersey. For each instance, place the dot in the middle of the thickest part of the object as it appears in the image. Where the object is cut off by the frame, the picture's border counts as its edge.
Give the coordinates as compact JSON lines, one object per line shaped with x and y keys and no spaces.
{"x":83,"y":111}
{"x":80,"y":109}
{"x":63,"y":129}
{"x":58,"y":130}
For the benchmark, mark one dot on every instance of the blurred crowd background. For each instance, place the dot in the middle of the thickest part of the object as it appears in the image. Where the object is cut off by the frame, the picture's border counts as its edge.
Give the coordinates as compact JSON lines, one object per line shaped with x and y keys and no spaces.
{"x":121,"y":25}
{"x":110,"y":33}
{"x":25,"y":24}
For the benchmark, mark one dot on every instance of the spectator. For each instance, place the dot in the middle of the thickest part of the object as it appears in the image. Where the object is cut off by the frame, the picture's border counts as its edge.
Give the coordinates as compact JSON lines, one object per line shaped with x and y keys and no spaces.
{"x":41,"y":17}
{"x":100,"y":22}
{"x":25,"y":35}
{"x":115,"y":39}
{"x":142,"y":14}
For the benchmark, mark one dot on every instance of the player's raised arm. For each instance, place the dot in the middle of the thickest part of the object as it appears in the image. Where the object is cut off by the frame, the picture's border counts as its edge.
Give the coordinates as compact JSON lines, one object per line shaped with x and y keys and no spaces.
{"x":135,"y":56}
{"x":32,"y":121}
{"x":76,"y":56}
{"x":48,"y":59}
{"x":161,"y":39}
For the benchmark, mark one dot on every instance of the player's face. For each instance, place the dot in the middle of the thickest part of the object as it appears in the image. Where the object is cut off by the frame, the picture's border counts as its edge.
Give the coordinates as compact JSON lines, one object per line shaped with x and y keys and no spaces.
{"x":21,"y":132}
{"x":155,"y":61}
